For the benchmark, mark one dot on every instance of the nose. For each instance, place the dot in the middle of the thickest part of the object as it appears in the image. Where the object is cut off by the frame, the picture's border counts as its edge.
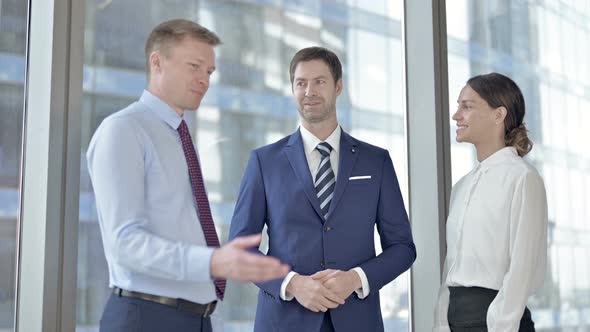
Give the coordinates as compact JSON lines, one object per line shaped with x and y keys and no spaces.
{"x":309,"y":90}
{"x":202,"y":78}
{"x":456,"y":116}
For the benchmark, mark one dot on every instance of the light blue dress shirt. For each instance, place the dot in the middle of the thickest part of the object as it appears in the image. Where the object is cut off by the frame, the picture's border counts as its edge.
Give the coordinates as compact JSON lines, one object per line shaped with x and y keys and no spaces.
{"x":151,"y":233}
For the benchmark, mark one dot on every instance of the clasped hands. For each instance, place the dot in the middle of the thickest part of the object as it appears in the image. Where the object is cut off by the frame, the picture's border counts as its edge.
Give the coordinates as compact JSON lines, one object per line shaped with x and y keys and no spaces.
{"x":325,"y":289}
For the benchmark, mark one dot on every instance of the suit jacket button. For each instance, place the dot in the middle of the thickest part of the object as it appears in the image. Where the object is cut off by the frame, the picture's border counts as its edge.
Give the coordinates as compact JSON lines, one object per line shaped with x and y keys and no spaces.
{"x":328,"y":228}
{"x":322,"y":264}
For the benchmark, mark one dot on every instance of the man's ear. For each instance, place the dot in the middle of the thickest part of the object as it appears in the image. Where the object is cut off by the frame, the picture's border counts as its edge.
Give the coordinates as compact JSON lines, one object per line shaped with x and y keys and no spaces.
{"x":338,"y":87}
{"x":155,"y":61}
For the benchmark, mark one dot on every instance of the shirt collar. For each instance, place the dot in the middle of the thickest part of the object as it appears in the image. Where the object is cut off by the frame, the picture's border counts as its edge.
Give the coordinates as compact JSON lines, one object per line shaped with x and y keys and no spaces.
{"x":310,"y":141}
{"x":503,"y":155}
{"x":161,"y":109}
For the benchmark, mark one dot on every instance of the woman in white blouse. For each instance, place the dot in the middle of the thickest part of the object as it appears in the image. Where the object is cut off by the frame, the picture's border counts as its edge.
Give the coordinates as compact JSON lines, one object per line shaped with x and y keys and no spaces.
{"x":497,"y":224}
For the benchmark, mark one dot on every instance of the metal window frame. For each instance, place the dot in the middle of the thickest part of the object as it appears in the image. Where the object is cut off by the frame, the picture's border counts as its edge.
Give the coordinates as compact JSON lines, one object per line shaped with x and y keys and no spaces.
{"x":48,"y":216}
{"x":427,"y":114}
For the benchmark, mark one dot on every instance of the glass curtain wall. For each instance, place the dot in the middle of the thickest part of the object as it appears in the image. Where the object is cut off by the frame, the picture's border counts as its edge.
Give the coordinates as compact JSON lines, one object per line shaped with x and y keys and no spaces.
{"x":13,"y":34}
{"x":543,"y":46}
{"x":249,"y":104}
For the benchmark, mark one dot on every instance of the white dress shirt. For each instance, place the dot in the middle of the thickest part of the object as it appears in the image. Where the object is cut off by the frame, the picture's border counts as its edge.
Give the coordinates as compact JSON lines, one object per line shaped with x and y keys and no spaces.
{"x":310,"y":142}
{"x":153,"y":241}
{"x":496,"y":237}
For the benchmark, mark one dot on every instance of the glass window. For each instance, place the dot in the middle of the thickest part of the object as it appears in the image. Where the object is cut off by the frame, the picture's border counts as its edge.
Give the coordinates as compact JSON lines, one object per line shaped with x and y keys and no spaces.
{"x":249,"y":104}
{"x":555,"y":90}
{"x":13,"y":29}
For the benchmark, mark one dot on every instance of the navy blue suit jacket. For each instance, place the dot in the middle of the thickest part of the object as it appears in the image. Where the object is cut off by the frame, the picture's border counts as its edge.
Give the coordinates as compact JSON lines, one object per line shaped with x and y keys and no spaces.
{"x":277,"y":190}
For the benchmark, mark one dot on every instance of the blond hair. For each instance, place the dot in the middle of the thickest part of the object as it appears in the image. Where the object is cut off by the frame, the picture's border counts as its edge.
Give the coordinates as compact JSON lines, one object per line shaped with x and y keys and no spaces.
{"x":172,"y":32}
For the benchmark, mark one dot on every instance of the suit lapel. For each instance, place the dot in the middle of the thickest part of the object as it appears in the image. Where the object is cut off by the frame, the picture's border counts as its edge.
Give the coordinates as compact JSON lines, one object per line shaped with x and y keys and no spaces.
{"x":296,"y":156}
{"x":348,"y":155}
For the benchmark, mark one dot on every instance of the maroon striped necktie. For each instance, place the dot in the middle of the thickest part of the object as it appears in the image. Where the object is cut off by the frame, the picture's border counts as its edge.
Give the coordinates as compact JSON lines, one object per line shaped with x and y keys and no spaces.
{"x":203,"y":209}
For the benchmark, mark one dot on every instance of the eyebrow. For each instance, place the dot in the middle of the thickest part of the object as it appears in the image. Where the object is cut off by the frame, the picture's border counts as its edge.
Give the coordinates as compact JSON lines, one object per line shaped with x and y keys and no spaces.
{"x":313,"y":78}
{"x":465,"y":101}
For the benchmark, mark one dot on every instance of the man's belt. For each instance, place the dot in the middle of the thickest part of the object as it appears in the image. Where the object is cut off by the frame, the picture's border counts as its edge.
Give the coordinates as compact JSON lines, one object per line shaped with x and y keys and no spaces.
{"x":204,"y":310}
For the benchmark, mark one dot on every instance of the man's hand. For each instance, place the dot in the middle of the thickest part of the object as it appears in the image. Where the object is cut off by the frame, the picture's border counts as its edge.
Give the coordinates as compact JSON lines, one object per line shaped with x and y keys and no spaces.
{"x":342,"y":283}
{"x":234,"y":262}
{"x":312,"y":294}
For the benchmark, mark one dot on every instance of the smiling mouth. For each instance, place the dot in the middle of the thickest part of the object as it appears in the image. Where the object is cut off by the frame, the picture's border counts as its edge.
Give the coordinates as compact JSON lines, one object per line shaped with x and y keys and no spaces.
{"x":312,"y":104}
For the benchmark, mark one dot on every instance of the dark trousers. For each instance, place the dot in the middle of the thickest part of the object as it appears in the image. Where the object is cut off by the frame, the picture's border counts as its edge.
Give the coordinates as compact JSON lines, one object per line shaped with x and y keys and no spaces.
{"x":125,"y":314}
{"x":327,"y":325}
{"x":468,"y":309}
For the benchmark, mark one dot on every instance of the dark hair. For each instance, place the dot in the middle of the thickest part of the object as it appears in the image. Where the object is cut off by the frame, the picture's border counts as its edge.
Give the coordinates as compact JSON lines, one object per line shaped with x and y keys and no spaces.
{"x":498,"y":90}
{"x":174,"y":31}
{"x":317,"y":53}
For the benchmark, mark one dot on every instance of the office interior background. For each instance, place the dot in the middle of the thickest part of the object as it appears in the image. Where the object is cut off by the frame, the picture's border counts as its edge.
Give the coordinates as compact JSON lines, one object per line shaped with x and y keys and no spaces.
{"x":542,"y":44}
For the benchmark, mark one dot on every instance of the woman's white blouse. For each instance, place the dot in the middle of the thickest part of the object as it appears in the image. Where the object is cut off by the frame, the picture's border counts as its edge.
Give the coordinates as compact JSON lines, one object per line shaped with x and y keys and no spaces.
{"x":496,"y":237}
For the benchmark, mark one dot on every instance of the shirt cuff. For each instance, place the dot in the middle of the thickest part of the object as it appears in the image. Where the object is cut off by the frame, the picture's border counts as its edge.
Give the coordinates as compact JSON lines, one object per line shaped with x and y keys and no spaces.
{"x":197,"y":264}
{"x":284,"y":295}
{"x":364,"y":290}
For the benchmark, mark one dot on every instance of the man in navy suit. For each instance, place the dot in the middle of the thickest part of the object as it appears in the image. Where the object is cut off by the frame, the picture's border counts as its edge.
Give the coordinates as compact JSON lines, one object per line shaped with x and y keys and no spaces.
{"x":321,"y":192}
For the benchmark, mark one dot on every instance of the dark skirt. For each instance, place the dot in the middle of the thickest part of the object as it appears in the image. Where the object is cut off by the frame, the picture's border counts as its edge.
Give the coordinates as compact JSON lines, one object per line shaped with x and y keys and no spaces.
{"x":468,"y":309}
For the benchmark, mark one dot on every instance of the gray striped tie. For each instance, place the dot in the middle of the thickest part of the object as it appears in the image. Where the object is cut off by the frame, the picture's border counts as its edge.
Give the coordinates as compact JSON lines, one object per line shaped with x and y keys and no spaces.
{"x":325,"y":181}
